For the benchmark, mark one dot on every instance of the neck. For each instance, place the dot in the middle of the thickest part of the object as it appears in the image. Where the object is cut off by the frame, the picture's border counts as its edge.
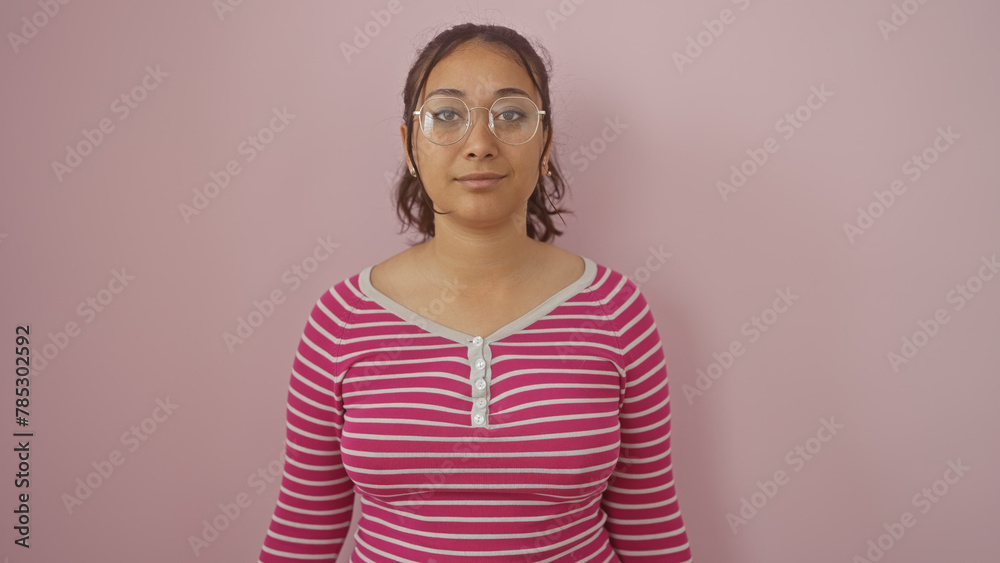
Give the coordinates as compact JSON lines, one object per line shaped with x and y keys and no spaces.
{"x":484,"y":262}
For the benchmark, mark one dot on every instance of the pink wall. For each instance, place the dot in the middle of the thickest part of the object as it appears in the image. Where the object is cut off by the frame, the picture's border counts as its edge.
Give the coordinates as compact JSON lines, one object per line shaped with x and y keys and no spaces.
{"x":200,"y":83}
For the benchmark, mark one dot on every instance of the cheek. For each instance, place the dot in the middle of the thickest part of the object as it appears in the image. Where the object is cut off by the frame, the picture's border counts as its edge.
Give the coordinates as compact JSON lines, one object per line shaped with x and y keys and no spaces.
{"x":440,"y":160}
{"x":529,"y":162}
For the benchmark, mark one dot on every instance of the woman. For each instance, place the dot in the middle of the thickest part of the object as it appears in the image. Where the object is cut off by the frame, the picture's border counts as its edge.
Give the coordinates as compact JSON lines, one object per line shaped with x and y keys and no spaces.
{"x":490,"y":396}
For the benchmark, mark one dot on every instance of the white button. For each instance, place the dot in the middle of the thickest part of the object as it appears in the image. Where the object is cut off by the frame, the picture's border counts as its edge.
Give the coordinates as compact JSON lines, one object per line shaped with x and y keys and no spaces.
{"x":478,"y":419}
{"x":480,"y":364}
{"x":480,"y":384}
{"x":477,"y":340}
{"x":481,"y":402}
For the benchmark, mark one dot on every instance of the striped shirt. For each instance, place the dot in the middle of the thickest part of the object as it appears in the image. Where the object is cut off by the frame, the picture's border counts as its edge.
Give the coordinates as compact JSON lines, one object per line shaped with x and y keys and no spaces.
{"x":548,"y":440}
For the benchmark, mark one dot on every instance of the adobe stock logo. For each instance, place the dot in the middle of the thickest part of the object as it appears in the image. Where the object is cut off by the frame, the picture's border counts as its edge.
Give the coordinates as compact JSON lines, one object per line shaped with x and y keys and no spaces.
{"x":133,"y":439}
{"x":249,"y":149}
{"x":925,"y":499}
{"x":796,"y":458}
{"x":757,"y":325}
{"x":294,"y":277}
{"x":38,"y":20}
{"x":960,"y":296}
{"x":788,"y":126}
{"x":585,"y":154}
{"x":913,"y":168}
{"x":696,"y":44}
{"x":363,"y":36}
{"x":123,"y":106}
{"x":88,"y":309}
{"x":224,"y":7}
{"x":566,"y":8}
{"x":654,"y":261}
{"x":229,"y":512}
{"x":899,"y":17}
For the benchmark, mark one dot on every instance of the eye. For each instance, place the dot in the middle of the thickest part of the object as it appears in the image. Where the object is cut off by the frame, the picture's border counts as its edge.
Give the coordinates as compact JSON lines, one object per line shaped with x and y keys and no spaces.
{"x":510,"y":115}
{"x":446,"y":115}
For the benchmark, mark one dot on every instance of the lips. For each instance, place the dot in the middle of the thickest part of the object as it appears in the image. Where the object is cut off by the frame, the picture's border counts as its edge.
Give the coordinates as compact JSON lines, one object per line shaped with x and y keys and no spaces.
{"x":480,"y":176}
{"x":480,"y":179}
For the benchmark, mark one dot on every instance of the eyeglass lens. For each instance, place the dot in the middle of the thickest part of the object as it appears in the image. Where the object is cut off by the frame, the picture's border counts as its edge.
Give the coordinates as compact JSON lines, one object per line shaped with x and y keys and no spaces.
{"x":445,"y":120}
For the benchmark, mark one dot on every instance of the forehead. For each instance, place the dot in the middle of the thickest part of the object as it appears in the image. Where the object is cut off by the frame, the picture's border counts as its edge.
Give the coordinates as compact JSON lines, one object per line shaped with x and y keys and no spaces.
{"x":479,"y":73}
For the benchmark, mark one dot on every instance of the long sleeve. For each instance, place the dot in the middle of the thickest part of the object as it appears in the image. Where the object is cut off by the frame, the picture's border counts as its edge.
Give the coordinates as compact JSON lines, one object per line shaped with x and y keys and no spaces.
{"x":644,"y":518}
{"x":314,"y":508}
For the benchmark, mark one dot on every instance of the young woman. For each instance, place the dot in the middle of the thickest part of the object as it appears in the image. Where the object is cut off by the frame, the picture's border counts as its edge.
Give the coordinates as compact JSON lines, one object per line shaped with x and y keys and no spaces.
{"x":489,"y":396}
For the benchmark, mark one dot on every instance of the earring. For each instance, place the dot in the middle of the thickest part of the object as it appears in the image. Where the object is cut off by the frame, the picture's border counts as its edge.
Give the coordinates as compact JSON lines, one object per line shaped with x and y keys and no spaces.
{"x":413,"y":172}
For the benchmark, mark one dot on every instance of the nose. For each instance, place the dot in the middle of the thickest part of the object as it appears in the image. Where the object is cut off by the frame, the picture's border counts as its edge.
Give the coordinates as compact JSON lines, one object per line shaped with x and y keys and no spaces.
{"x":480,"y":141}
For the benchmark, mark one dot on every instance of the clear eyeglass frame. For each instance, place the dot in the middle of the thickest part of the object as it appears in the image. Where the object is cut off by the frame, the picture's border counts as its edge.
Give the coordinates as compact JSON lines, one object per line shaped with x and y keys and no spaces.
{"x":468,"y":123}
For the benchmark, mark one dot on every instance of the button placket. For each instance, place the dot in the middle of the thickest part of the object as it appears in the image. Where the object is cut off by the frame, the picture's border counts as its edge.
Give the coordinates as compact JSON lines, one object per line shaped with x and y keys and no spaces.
{"x":479,"y":356}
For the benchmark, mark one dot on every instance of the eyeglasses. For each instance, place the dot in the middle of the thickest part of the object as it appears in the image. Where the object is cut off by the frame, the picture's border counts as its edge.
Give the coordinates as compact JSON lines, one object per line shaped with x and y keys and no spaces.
{"x":445,"y":121}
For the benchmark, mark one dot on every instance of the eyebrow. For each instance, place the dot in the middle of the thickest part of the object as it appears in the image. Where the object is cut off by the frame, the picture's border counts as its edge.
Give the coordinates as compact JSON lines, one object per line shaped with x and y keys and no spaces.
{"x":460,"y":94}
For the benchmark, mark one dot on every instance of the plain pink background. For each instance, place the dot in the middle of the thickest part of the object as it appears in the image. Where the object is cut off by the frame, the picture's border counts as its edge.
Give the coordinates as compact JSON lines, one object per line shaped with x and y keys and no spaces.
{"x":652,"y":187}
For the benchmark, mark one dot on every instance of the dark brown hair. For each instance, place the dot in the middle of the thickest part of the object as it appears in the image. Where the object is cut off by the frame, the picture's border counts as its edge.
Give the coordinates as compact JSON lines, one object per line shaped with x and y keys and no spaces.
{"x":412,"y":204}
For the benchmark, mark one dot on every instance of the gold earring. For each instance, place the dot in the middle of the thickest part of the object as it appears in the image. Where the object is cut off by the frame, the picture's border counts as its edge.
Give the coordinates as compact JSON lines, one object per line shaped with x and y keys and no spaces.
{"x":413,"y":172}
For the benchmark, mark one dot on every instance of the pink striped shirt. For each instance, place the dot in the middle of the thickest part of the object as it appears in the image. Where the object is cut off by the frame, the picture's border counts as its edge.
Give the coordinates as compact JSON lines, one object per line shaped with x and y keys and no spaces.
{"x":548,"y":440}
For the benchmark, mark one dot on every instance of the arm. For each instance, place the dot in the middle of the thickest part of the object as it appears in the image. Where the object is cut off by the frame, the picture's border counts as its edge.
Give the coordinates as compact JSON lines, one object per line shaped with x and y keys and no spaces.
{"x":315,"y":503}
{"x":644,"y":518}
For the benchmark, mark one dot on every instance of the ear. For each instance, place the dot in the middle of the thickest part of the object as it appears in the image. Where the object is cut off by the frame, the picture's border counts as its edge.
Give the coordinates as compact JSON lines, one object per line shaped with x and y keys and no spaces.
{"x":402,"y":133}
{"x":547,"y":149}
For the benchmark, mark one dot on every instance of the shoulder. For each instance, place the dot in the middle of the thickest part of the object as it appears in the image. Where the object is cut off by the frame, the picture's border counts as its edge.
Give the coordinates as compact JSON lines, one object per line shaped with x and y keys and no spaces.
{"x":612,"y":287}
{"x":559,"y":257}
{"x":334,"y":308}
{"x":346,"y":299}
{"x":630,"y":317}
{"x":623,"y":303}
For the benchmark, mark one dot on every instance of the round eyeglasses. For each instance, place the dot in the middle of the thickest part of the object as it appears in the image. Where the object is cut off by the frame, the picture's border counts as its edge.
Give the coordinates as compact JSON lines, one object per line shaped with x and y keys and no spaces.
{"x":445,"y":121}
